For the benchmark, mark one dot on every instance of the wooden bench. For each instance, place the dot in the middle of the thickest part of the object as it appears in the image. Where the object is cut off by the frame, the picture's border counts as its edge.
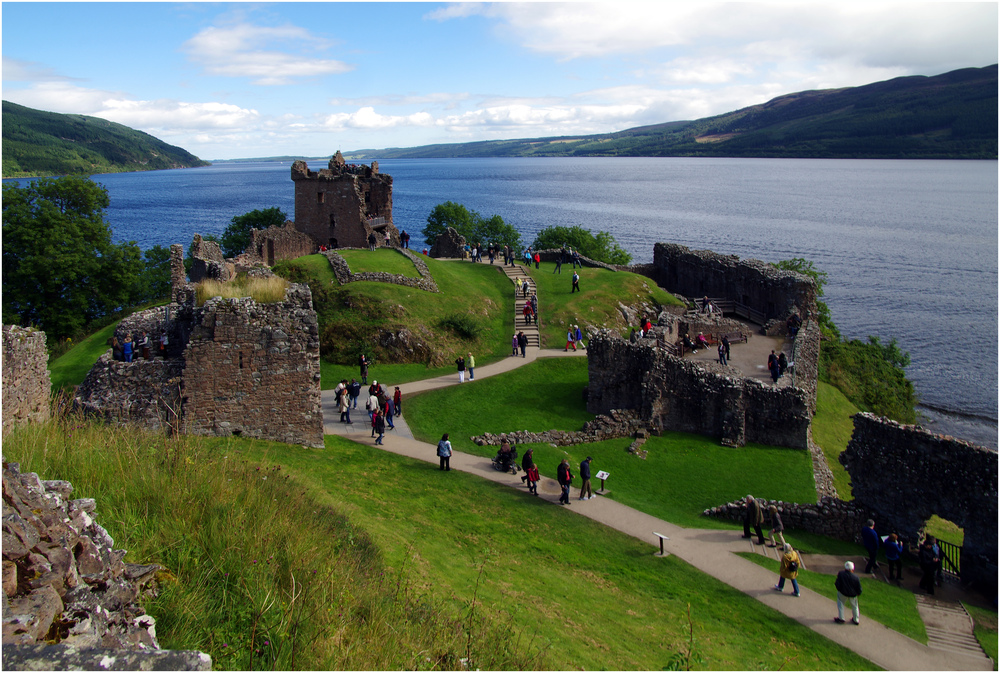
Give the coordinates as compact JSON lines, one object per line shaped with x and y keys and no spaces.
{"x":736,"y":337}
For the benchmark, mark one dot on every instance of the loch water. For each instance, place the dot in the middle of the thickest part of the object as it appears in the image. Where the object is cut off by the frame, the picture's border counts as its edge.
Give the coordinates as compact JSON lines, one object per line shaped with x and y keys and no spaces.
{"x":910,"y":246}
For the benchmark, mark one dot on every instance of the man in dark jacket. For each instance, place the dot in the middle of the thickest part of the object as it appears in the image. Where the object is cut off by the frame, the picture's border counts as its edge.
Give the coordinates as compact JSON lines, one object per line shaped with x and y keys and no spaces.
{"x":586,"y":493}
{"x":354,"y":390}
{"x":869,"y":538}
{"x":848,"y":589}
{"x":928,"y":563}
{"x":753,"y":517}
{"x":565,"y":477}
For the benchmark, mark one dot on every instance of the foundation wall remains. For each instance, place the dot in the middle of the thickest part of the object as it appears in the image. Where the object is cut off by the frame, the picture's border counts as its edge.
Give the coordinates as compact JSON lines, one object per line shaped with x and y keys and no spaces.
{"x":341,"y":205}
{"x":674,"y":394}
{"x":756,"y":284}
{"x":904,"y":474}
{"x":26,"y":383}
{"x":271,"y":245}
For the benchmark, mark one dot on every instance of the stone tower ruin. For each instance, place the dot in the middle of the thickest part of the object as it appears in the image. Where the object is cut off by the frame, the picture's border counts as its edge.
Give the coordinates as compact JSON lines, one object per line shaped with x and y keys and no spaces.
{"x":341,"y":205}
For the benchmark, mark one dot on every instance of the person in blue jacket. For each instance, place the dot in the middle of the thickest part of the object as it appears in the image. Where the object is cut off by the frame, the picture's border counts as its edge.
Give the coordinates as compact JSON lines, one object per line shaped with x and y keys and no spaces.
{"x":893,"y":556}
{"x":869,"y":538}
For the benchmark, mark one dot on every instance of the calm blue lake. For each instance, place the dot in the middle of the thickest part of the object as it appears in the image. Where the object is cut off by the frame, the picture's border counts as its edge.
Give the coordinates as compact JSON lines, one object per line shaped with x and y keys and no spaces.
{"x":910,"y":246}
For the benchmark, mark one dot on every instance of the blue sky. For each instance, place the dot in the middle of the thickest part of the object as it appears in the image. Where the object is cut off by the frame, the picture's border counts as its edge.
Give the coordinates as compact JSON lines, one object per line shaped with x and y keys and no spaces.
{"x":232,"y":80}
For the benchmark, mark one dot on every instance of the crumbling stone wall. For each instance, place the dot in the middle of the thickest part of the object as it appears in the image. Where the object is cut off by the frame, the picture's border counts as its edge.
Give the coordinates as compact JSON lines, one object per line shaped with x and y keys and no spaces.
{"x":232,"y":367}
{"x":450,"y":244}
{"x":253,"y":370}
{"x":64,"y":582}
{"x":26,"y":384}
{"x":762,"y":287}
{"x":274,"y":244}
{"x":675,"y":394}
{"x":209,"y":262}
{"x":830,"y":516}
{"x":340,"y":205}
{"x":904,"y":474}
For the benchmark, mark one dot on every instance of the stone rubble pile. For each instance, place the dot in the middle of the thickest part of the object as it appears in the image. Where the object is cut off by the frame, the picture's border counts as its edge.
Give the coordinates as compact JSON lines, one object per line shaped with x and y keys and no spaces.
{"x":614,"y":425}
{"x":64,"y":582}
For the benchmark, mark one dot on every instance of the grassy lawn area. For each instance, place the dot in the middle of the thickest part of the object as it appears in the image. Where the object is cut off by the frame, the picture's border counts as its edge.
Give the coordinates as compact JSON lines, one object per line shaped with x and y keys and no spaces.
{"x":889,"y":605}
{"x":985,"y":628}
{"x":832,"y":428}
{"x":386,"y":260}
{"x":591,"y":597}
{"x":682,"y":475}
{"x":72,"y":366}
{"x":596,"y":303}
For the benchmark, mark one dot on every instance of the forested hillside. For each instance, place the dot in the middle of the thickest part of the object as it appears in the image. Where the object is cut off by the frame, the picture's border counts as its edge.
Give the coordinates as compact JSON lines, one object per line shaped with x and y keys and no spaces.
{"x":949,"y":116}
{"x":38,"y":143}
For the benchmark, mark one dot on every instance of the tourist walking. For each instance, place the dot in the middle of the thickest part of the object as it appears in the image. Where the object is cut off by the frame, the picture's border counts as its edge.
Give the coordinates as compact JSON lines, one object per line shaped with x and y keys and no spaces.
{"x":371,"y":406}
{"x":444,"y":452}
{"x":576,"y":258}
{"x":576,"y":283}
{"x":565,"y":478}
{"x":364,"y":370}
{"x":397,"y":399}
{"x":127,"y":348}
{"x":848,"y":589}
{"x":527,"y":462}
{"x":390,"y":411}
{"x":460,"y":363}
{"x":344,"y":398}
{"x":559,"y":262}
{"x":928,"y":564}
{"x":538,"y":259}
{"x":164,"y":342}
{"x":354,"y":390}
{"x":753,"y":517}
{"x":570,"y":341}
{"x":513,"y":345}
{"x":725,"y":342}
{"x":144,"y":346}
{"x":470,"y":364}
{"x":379,"y":427}
{"x":722,"y":353}
{"x":578,"y":335}
{"x":790,"y":563}
{"x":893,"y":557}
{"x":526,"y":312}
{"x":869,"y":538}
{"x":777,"y":527}
{"x":586,"y":492}
{"x":116,"y":349}
{"x":522,"y":343}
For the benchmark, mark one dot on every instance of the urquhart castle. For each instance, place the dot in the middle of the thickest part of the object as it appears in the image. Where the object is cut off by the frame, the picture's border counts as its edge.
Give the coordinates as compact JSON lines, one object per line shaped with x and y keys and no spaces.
{"x":239,"y":367}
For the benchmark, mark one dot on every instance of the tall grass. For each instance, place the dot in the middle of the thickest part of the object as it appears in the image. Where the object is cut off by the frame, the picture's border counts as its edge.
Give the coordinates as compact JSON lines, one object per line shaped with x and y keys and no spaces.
{"x":262,"y":290}
{"x":259,"y":572}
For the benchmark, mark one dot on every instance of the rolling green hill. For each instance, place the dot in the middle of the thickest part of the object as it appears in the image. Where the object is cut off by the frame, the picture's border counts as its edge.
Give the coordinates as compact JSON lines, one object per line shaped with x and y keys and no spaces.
{"x":949,"y":116}
{"x":38,"y":143}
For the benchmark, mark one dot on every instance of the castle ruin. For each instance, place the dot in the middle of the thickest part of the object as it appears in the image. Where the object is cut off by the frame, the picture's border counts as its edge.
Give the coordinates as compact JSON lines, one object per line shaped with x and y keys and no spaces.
{"x":341,"y":205}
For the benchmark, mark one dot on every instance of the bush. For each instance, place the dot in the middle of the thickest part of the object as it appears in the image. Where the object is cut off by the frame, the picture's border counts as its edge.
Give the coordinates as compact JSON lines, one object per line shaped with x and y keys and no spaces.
{"x":463,"y":324}
{"x":871,"y":376}
{"x":601,"y":246}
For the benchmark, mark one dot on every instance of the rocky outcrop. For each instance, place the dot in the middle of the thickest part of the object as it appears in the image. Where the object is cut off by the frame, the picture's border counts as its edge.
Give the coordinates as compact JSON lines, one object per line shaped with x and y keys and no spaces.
{"x":613,"y":425}
{"x":26,"y":384}
{"x":209,"y":262}
{"x":64,"y":582}
{"x":450,"y":244}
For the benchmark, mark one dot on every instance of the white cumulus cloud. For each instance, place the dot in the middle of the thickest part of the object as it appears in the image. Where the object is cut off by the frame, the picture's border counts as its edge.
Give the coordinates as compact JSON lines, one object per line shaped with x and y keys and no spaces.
{"x":267,"y":55}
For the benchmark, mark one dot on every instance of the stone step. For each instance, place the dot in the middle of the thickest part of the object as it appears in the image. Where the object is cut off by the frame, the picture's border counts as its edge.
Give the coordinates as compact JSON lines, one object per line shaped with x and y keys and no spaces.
{"x":951,"y":638}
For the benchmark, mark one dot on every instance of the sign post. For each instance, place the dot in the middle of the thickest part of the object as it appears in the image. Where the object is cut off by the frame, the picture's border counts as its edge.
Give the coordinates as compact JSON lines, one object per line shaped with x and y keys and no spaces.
{"x":602,"y":475}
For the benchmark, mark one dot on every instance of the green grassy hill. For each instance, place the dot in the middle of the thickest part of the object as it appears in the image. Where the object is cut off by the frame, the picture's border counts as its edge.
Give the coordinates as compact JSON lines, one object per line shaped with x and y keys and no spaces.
{"x":38,"y":143}
{"x":949,"y":116}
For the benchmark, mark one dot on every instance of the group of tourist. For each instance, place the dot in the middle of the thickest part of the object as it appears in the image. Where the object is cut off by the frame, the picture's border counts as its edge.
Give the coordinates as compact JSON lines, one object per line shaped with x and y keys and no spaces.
{"x":464,"y":364}
{"x":129,"y":348}
{"x":776,"y":365}
{"x":930,"y":555}
{"x":574,"y":338}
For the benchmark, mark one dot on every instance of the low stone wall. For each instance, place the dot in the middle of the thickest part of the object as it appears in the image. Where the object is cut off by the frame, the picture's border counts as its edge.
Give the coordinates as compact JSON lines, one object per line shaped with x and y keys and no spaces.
{"x":26,"y":384}
{"x":64,"y":582}
{"x":344,"y":275}
{"x":274,"y":244}
{"x":806,"y":360}
{"x":449,"y":244}
{"x":552,"y":254}
{"x":830,"y":516}
{"x":208,"y":262}
{"x":670,"y":393}
{"x":613,"y":425}
{"x":904,"y":474}
{"x":142,"y":392}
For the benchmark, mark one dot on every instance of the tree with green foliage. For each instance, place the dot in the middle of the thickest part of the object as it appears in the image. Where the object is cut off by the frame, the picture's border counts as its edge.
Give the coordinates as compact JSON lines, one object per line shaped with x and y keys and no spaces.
{"x":806,"y":267}
{"x":60,"y":268}
{"x":601,"y":246}
{"x":154,"y":281}
{"x":470,"y":224}
{"x":237,"y":236}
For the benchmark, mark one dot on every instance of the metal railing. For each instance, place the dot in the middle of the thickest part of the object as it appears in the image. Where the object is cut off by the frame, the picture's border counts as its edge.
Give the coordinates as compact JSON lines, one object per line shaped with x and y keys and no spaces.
{"x":951,"y":560}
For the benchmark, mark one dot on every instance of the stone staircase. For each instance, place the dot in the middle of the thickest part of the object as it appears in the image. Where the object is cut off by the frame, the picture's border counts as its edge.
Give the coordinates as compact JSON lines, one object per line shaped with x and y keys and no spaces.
{"x":949,"y":626}
{"x":517,"y":275}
